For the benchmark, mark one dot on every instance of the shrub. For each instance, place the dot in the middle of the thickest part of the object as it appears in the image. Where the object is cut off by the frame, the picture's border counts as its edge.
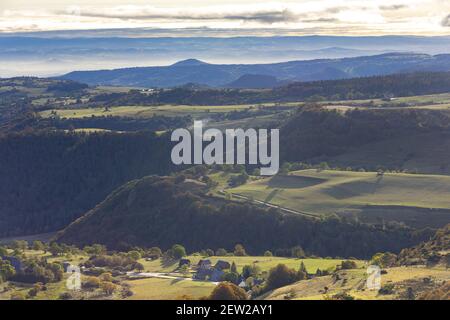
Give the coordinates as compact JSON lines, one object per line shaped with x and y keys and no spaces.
{"x":116,"y":261}
{"x":250,"y":271}
{"x":32,"y":292}
{"x":268,"y":254}
{"x":228,"y":291}
{"x":348,"y":264}
{"x":230,"y":277}
{"x":298,"y":252}
{"x":154,"y":253}
{"x":108,"y":287}
{"x":221,"y":252}
{"x":281,"y":276}
{"x":91,"y":283}
{"x":134,"y":254}
{"x":65,"y":296}
{"x":178,"y":251}
{"x":341,"y":296}
{"x":139,"y":266}
{"x":387,"y":289}
{"x":239,"y":250}
{"x":384,"y":260}
{"x":106,"y":276}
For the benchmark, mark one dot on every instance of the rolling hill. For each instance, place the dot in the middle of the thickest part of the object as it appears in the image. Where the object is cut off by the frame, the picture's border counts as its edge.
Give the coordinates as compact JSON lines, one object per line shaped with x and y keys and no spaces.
{"x":51,"y":178}
{"x":353,"y":282}
{"x":162,"y":211}
{"x":416,"y":200}
{"x":420,"y":271}
{"x":431,"y":252}
{"x":218,"y":75}
{"x":59,"y":52}
{"x":255,"y":81}
{"x":396,"y":139}
{"x":374,"y":87}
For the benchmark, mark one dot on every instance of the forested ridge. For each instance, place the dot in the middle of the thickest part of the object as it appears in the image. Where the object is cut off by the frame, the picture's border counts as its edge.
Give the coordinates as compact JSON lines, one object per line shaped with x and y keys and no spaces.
{"x":315,"y":132}
{"x":403,"y":84}
{"x":435,"y":250}
{"x":162,"y":211}
{"x":50,"y":178}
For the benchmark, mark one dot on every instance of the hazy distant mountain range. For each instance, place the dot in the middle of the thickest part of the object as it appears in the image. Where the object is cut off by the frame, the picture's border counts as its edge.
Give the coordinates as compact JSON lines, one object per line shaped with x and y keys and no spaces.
{"x":262,"y":75}
{"x":56,"y":53}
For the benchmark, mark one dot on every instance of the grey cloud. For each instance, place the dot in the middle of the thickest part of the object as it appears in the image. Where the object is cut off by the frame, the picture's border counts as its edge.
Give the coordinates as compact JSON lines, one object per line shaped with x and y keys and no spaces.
{"x":329,"y":20}
{"x":263,"y":16}
{"x":266,"y":17}
{"x":446,"y":21}
{"x":393,"y":7}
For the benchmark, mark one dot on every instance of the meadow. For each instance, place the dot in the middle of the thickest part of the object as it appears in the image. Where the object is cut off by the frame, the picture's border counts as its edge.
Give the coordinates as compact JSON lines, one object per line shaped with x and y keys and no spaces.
{"x":432,"y":102}
{"x":150,"y":111}
{"x":413,"y":198}
{"x":264,"y":263}
{"x":353,"y":282}
{"x":168,"y":289}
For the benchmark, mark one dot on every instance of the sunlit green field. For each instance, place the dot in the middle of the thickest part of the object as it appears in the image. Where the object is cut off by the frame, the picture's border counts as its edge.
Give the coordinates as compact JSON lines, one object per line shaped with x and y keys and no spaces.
{"x":424,"y":99}
{"x":265,"y":263}
{"x":354,"y":283}
{"x":52,"y":293}
{"x":150,"y":111}
{"x":155,"y":288}
{"x":437,"y":102}
{"x":326,"y":192}
{"x":168,"y":289}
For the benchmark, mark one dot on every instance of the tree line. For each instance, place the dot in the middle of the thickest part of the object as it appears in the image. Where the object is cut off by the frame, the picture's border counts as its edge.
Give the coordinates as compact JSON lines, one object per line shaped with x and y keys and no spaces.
{"x":51,"y":178}
{"x":405,"y":84}
{"x":160,"y":211}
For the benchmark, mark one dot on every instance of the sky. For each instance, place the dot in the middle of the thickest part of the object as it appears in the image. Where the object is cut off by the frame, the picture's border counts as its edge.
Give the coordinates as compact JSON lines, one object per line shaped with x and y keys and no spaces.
{"x":331,"y":17}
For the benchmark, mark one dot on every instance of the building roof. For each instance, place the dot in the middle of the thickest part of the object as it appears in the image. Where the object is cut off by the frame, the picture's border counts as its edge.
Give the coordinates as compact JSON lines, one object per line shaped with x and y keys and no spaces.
{"x":221,"y":264}
{"x":204,"y":262}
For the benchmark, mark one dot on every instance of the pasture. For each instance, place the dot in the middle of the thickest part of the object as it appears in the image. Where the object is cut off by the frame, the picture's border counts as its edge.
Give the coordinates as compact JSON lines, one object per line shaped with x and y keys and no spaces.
{"x":354,"y":283}
{"x":168,"y":289}
{"x":264,"y":263}
{"x":412,"y":198}
{"x":150,"y":111}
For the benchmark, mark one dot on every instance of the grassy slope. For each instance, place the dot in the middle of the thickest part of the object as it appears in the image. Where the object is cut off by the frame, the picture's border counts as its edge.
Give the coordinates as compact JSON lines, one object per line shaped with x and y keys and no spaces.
{"x":149,"y":111}
{"x":265,"y":263}
{"x":353,"y":281}
{"x":153,"y":288}
{"x":168,"y":289}
{"x":343,"y":192}
{"x":437,"y":101}
{"x":53,"y":289}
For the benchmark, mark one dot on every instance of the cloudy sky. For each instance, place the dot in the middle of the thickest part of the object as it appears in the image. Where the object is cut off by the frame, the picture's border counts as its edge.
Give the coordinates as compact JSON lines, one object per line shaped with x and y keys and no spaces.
{"x":334,"y":17}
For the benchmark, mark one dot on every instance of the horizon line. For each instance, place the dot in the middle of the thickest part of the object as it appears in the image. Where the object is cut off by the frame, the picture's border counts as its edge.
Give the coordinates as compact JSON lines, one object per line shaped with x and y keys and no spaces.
{"x":218,"y":33}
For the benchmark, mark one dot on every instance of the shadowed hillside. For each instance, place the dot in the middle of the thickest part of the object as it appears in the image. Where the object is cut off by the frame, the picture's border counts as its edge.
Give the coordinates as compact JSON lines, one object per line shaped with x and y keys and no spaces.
{"x":194,"y":71}
{"x":51,"y":178}
{"x":370,"y":139}
{"x":158,"y":211}
{"x":434,"y":251}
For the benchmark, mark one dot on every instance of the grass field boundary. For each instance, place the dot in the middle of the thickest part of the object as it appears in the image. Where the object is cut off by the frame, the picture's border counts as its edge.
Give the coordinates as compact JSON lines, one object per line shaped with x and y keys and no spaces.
{"x":270,"y":205}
